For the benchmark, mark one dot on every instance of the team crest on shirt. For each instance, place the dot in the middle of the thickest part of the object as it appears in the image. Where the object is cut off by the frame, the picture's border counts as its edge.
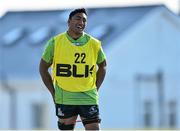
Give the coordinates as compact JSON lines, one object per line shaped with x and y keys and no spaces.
{"x":60,"y":112}
{"x":93,"y":110}
{"x":77,"y":44}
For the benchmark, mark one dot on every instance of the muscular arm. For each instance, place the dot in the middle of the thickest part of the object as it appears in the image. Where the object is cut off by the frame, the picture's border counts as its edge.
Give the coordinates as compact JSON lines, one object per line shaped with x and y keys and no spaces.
{"x":100,"y":74}
{"x":46,"y":77}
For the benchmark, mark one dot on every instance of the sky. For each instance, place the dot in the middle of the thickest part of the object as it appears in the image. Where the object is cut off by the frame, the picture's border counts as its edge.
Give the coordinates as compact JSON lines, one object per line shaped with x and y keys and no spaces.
{"x":18,"y":5}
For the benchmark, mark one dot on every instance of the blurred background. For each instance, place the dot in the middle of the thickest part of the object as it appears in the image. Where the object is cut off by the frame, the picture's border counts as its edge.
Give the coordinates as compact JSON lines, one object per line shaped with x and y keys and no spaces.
{"x":141,"y":39}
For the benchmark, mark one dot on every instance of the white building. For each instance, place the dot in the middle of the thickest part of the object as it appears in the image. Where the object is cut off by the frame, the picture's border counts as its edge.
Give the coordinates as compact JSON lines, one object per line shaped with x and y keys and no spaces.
{"x":141,"y":88}
{"x":142,"y":84}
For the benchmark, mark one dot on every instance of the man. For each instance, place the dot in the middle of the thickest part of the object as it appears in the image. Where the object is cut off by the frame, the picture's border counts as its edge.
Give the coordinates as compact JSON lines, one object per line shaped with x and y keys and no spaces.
{"x":75,"y":79}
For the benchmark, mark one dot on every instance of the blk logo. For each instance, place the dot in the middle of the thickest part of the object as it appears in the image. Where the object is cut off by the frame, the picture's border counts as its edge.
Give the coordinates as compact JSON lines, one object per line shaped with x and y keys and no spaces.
{"x":67,"y":70}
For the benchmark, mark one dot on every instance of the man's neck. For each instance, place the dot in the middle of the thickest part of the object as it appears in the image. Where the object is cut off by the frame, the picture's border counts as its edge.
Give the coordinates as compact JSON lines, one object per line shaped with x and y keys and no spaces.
{"x":74,"y":35}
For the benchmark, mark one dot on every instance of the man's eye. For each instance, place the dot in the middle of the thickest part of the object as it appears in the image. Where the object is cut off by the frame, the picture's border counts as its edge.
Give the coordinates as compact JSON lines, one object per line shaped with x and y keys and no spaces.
{"x":77,"y":18}
{"x":84,"y":20}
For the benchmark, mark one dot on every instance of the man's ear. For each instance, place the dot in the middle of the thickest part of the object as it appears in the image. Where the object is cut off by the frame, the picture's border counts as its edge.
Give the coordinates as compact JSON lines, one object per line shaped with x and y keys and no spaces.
{"x":68,"y":22}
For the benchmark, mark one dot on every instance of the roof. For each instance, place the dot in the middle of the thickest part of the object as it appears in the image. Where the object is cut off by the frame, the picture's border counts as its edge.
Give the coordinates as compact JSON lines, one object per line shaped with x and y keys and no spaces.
{"x":23,"y":34}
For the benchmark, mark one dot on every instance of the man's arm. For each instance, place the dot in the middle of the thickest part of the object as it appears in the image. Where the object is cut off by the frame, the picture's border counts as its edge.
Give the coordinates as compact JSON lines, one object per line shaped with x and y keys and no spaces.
{"x":100,"y":74}
{"x":46,"y":77}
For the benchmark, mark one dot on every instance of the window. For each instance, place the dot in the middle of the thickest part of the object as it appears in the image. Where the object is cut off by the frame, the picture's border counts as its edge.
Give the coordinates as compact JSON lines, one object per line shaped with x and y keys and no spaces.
{"x":40,"y":35}
{"x":147,"y":114}
{"x":13,"y":36}
{"x":38,"y":115}
{"x":63,"y":16}
{"x":101,"y":31}
{"x":172,"y":116}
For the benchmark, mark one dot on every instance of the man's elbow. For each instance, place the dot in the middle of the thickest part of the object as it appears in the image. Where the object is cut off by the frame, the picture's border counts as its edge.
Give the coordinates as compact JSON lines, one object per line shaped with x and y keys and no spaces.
{"x":103,"y":65}
{"x":42,"y":67}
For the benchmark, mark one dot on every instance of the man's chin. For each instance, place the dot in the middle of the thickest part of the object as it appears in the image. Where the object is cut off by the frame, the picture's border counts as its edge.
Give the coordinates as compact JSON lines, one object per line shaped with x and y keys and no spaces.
{"x":79,"y":32}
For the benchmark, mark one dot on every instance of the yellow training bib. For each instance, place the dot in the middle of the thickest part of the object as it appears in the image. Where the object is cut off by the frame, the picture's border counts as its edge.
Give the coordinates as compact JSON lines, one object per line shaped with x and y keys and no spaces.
{"x":74,"y":67}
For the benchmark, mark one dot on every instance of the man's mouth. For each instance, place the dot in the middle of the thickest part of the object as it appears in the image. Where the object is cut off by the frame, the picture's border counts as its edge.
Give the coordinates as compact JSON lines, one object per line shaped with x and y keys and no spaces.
{"x":79,"y":27}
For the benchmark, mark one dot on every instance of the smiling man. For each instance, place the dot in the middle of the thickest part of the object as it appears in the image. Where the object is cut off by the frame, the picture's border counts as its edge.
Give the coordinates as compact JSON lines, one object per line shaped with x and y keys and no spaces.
{"x":78,"y":69}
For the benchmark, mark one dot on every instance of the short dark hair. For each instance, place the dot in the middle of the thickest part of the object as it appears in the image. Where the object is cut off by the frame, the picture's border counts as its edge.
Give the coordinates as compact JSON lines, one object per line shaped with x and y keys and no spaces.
{"x":79,"y":10}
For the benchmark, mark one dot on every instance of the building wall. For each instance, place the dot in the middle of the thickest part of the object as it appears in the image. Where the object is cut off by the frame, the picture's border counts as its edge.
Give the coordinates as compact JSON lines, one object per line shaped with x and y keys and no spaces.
{"x":149,"y":47}
{"x":130,"y":89}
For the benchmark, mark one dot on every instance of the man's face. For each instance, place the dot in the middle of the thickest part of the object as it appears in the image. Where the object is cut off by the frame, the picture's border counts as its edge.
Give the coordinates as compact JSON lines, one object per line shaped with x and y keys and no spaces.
{"x":77,"y":23}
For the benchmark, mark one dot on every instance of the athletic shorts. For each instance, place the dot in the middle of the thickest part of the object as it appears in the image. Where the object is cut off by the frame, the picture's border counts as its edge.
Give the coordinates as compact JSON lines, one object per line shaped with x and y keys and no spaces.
{"x":86,"y":111}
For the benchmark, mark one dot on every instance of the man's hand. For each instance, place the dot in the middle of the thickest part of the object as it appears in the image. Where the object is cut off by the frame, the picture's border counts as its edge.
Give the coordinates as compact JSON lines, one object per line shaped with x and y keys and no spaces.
{"x":46,"y":77}
{"x":100,"y":74}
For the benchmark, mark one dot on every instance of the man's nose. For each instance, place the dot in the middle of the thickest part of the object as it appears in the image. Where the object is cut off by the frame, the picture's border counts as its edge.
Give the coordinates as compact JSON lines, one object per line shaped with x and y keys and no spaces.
{"x":81,"y":22}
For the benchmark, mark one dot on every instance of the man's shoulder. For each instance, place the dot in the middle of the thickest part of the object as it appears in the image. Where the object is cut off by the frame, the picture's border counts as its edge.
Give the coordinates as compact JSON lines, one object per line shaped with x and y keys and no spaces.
{"x":92,"y":38}
{"x":60,"y":35}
